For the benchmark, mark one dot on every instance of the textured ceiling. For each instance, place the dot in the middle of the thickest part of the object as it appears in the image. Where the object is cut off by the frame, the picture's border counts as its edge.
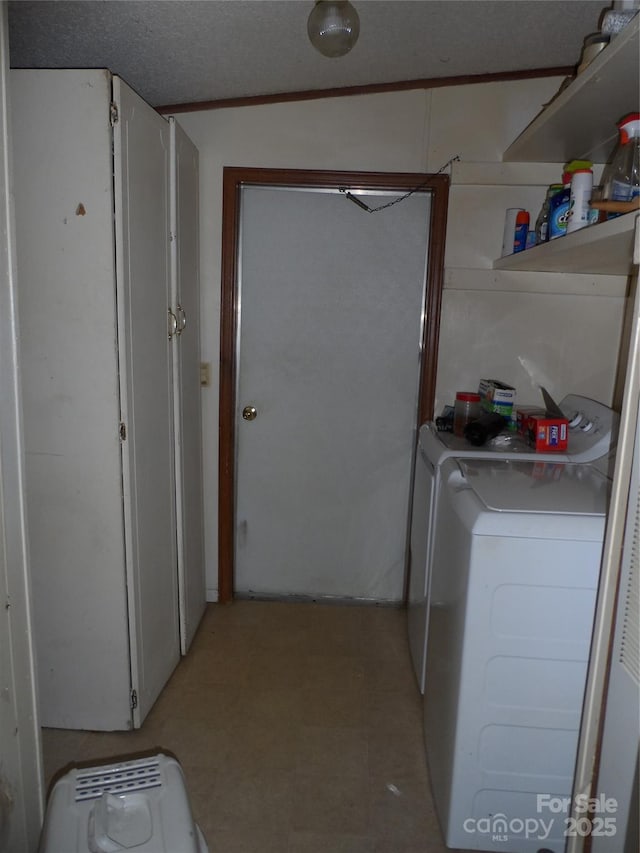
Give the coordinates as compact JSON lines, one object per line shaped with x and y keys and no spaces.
{"x":181,"y":52}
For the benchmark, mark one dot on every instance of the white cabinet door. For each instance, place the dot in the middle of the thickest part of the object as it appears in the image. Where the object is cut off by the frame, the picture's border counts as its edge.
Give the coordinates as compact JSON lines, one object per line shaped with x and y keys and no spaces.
{"x":141,"y":168}
{"x":186,"y":350}
{"x":63,"y":178}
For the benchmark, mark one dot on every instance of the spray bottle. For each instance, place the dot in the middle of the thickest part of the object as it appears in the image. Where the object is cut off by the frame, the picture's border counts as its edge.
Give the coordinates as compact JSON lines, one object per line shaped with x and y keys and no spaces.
{"x":621,"y":176}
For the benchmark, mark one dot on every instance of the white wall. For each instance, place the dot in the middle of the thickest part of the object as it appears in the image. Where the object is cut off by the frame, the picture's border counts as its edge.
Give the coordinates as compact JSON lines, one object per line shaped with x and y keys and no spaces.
{"x":523,"y":328}
{"x":561,"y":331}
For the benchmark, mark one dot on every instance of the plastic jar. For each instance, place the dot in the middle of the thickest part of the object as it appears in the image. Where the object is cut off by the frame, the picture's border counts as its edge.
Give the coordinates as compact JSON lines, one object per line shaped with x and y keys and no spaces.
{"x":465,"y":410}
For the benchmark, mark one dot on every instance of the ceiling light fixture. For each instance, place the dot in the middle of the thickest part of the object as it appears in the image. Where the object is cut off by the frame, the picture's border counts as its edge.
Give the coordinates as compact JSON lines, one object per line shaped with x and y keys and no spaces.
{"x":333,"y":27}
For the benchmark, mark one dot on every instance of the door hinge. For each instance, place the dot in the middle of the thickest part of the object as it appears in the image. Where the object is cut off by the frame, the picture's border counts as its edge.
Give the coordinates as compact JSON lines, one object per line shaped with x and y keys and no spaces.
{"x":123,"y":431}
{"x":113,"y":114}
{"x":134,"y":699}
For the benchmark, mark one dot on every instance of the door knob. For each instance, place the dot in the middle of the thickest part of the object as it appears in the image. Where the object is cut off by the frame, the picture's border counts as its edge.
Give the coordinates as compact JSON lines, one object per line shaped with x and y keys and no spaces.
{"x":249,"y":413}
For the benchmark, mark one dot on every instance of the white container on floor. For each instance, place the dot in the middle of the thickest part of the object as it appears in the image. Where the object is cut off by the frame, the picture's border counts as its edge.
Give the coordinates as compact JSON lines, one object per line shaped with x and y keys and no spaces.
{"x":139,"y":805}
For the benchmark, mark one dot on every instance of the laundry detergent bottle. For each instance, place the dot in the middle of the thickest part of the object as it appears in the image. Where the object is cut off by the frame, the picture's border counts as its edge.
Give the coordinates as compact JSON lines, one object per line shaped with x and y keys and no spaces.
{"x":560,"y":203}
{"x":559,"y":208}
{"x":621,"y":176}
{"x":542,"y":222}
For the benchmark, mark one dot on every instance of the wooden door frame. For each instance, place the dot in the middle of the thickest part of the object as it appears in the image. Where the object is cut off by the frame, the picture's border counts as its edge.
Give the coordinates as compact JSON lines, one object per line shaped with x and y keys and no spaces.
{"x":234,"y":178}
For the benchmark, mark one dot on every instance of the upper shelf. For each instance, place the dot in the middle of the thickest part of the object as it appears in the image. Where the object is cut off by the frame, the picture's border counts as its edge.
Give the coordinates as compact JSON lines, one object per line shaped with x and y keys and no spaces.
{"x":580,"y":123}
{"x":605,"y":248}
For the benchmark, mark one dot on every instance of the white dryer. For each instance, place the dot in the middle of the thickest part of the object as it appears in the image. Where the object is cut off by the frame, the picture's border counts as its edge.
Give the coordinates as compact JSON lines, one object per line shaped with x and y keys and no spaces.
{"x":592,"y":431}
{"x":516,"y":560}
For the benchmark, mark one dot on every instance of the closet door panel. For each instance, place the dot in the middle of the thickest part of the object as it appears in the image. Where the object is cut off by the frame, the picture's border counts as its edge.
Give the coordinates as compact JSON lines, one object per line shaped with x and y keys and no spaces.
{"x":63,"y":183}
{"x":141,"y":150}
{"x":188,"y":414}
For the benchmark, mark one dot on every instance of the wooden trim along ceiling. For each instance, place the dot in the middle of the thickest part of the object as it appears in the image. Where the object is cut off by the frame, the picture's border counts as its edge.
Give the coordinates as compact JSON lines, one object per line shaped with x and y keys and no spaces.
{"x":369,"y":89}
{"x":233,"y":180}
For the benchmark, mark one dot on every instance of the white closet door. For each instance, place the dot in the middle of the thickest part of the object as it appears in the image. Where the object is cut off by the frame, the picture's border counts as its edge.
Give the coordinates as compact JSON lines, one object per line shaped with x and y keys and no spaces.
{"x":620,"y":747}
{"x":619,"y":758}
{"x":188,"y":415}
{"x":141,"y":151}
{"x":69,"y":372}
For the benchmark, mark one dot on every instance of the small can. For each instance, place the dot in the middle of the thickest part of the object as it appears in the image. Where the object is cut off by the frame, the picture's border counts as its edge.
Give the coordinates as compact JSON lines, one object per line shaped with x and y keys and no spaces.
{"x":509,"y":229}
{"x":579,"y":210}
{"x":521,"y":231}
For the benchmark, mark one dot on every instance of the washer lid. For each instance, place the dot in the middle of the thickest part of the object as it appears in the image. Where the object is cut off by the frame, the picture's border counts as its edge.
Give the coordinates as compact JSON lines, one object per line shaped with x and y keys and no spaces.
{"x":438,"y":446}
{"x":537,"y":487}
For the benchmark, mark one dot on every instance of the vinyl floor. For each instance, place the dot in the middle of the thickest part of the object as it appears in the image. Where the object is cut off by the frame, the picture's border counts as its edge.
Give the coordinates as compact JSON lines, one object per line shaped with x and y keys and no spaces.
{"x":298,"y":726}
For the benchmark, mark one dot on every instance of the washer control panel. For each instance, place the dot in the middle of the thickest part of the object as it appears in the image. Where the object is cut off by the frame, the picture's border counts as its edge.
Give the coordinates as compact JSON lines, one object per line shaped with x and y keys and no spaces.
{"x":593,"y":427}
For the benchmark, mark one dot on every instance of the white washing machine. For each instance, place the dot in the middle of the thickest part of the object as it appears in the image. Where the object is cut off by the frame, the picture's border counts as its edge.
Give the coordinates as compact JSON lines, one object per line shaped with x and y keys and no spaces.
{"x":592,"y":430}
{"x":516,"y":560}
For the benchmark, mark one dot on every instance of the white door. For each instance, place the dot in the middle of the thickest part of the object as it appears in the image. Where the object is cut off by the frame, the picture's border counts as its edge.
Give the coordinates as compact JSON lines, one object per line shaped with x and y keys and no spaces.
{"x":330,"y":327}
{"x":21,"y":789}
{"x":619,"y":756}
{"x":141,"y":151}
{"x":186,"y":351}
{"x":70,"y":393}
{"x":619,"y":760}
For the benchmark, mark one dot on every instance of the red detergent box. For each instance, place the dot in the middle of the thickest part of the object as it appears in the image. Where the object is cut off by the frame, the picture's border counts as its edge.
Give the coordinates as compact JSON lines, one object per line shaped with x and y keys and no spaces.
{"x":522,"y":418}
{"x":547,"y":434}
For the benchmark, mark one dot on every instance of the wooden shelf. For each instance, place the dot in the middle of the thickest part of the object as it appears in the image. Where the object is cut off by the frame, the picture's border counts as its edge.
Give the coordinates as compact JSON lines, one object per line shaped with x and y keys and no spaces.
{"x":580,"y":123}
{"x":605,"y":249}
{"x":468,"y":173}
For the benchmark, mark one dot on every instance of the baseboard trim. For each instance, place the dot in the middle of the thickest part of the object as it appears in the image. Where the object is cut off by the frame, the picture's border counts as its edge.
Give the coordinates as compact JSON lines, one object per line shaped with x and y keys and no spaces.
{"x":344,"y":601}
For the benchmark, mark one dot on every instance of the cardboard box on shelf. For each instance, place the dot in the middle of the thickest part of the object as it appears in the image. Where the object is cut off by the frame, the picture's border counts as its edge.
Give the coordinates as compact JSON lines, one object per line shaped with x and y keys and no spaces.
{"x":547,"y":434}
{"x":497,"y":396}
{"x":523,"y":414}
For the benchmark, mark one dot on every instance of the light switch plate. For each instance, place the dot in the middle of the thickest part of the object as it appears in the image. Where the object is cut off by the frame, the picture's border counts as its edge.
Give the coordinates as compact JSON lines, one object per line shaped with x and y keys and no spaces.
{"x":205,"y":374}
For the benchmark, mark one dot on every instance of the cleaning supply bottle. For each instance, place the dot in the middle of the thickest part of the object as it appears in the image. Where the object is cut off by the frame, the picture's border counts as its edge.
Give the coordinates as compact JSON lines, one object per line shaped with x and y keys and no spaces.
{"x":542,"y":222}
{"x":559,"y":208}
{"x":621,"y":176}
{"x":579,"y":209}
{"x":560,"y":203}
{"x":520,"y":231}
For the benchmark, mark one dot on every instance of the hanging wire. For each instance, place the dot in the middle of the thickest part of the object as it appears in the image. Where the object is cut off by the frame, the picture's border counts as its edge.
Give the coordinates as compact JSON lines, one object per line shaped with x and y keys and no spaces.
{"x":422,"y":186}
